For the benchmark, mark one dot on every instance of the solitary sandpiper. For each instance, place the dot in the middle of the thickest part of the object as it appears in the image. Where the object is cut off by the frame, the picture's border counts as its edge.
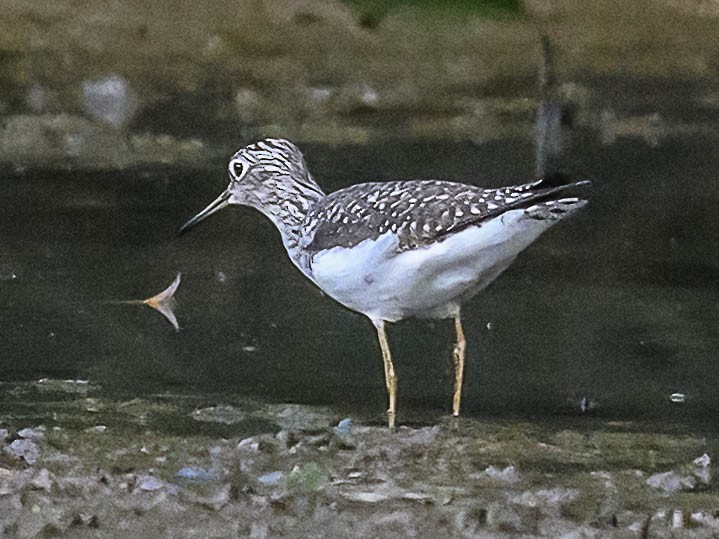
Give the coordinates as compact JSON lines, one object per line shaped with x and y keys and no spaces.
{"x":396,"y":249}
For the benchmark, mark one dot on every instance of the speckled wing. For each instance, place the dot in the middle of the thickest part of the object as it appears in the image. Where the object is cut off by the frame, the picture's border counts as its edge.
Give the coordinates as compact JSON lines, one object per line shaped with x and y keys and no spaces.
{"x":420,"y":212}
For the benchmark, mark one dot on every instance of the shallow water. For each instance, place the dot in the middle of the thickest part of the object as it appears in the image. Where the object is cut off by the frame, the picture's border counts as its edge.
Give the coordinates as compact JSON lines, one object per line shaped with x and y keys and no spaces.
{"x":617,"y":304}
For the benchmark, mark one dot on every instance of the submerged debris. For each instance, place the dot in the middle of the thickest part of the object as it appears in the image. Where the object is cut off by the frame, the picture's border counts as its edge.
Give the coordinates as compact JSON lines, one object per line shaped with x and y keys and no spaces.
{"x":164,"y":302}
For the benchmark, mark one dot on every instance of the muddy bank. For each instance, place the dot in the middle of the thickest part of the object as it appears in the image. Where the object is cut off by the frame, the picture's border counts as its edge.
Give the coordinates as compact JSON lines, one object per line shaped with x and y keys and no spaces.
{"x":173,"y":466}
{"x":109,"y":87}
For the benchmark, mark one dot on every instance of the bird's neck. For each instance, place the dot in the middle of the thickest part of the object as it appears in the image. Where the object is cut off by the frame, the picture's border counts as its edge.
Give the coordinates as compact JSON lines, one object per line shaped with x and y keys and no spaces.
{"x":288,"y":210}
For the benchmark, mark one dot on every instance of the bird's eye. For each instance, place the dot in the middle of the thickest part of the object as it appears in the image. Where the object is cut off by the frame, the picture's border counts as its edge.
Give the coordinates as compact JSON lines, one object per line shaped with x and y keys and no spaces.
{"x":237,"y":169}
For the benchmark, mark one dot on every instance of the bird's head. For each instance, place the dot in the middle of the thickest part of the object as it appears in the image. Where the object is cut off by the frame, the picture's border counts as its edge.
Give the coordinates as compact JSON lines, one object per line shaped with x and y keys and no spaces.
{"x":271,"y":176}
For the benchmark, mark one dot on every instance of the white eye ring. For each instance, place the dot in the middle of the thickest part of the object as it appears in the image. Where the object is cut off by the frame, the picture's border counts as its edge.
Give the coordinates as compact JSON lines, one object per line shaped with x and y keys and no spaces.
{"x":236,"y":168}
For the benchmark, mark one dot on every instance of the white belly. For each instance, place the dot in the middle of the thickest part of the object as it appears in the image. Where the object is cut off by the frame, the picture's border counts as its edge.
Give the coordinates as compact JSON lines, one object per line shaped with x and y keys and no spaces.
{"x":431,"y":281}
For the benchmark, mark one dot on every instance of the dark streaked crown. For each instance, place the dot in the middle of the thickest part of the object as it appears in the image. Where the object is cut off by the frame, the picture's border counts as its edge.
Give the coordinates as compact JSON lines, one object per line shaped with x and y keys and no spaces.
{"x":271,"y":176}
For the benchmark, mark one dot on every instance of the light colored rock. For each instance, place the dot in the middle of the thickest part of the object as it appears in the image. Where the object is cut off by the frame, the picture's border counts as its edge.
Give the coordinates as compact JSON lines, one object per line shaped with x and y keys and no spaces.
{"x":26,"y":450}
{"x":702,"y":468}
{"x":195,"y":473}
{"x":43,"y":480}
{"x":507,"y":475}
{"x":702,"y":518}
{"x":217,"y":500}
{"x":366,"y":497}
{"x":32,"y":434}
{"x":271,"y":479}
{"x":677,"y":519}
{"x":149,"y":483}
{"x":671,"y":482}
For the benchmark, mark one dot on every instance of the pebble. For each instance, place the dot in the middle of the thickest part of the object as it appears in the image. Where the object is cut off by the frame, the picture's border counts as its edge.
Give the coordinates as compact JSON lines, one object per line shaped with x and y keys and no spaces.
{"x":271,"y":479}
{"x":671,"y":482}
{"x":31,"y":434}
{"x":702,"y":469}
{"x":343,"y":428}
{"x":42,"y":480}
{"x":195,"y":473}
{"x":26,"y":450}
{"x":366,"y":497}
{"x":149,"y":483}
{"x":508,"y":474}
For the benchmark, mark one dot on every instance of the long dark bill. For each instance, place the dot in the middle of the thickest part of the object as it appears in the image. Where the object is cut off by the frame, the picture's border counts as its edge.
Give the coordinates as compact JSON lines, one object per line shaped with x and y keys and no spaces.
{"x":215,"y":206}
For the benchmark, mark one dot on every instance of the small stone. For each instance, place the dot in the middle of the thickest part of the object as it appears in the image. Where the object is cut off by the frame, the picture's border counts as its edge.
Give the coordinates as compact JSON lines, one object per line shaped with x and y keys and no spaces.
{"x":32,"y":434}
{"x":343,"y":428}
{"x":366,"y":497}
{"x":508,"y":474}
{"x":26,"y":450}
{"x":702,"y":469}
{"x":677,"y":519}
{"x":218,"y":500}
{"x":671,"y":482}
{"x":194,"y":473}
{"x":42,"y":480}
{"x":250,"y":444}
{"x":271,"y":479}
{"x":149,"y":483}
{"x":702,"y":518}
{"x":702,"y":461}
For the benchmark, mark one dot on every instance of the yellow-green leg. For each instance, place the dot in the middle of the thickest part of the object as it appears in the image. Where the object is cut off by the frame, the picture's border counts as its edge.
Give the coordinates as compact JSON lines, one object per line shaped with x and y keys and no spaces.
{"x":389,"y":374}
{"x":458,"y":360}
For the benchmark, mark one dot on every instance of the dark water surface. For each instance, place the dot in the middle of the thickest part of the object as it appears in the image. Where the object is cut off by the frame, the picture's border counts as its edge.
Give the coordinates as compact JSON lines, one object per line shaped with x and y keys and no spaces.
{"x":618,"y":304}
